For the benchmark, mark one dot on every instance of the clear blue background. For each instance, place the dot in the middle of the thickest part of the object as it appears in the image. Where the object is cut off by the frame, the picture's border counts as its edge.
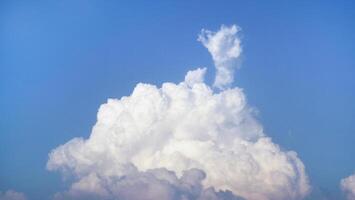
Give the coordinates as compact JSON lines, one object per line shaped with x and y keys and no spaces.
{"x":59,"y":60}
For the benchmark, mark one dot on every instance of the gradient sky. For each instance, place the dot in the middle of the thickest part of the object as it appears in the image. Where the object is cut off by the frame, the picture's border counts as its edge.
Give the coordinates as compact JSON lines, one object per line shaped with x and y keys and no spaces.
{"x":59,"y":60}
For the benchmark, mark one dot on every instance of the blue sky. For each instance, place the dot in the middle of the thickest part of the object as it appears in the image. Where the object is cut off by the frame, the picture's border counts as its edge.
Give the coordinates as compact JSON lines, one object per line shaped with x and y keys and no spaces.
{"x":59,"y":60}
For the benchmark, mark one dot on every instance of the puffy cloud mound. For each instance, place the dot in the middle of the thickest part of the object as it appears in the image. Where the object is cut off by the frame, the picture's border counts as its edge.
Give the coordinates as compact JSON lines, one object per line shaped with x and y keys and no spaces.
{"x":141,"y":141}
{"x":150,"y":185}
{"x":348,"y":186}
{"x":225,"y":48}
{"x":12,"y":195}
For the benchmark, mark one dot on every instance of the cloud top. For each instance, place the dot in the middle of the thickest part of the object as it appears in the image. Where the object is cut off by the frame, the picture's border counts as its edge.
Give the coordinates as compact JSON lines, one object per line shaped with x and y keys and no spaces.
{"x":225,"y":48}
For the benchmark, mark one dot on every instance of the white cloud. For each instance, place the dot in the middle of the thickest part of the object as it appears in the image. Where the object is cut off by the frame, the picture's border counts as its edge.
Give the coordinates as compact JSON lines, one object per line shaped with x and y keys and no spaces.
{"x":12,"y":195}
{"x":225,"y":48}
{"x":348,"y":186}
{"x":179,"y":127}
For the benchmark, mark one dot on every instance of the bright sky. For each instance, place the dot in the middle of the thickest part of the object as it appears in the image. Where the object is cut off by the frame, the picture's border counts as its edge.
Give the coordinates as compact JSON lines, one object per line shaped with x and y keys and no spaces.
{"x":60,"y":60}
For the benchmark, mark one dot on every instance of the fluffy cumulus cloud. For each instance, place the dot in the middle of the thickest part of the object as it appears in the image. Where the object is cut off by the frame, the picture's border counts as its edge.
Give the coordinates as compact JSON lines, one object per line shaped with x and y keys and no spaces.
{"x":348,"y":186}
{"x":224,"y":46}
{"x":181,"y":141}
{"x":12,"y":195}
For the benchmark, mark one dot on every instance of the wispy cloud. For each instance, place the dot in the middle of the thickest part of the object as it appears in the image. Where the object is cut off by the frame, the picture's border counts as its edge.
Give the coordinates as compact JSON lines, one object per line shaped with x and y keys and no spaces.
{"x":225,"y":48}
{"x":12,"y":195}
